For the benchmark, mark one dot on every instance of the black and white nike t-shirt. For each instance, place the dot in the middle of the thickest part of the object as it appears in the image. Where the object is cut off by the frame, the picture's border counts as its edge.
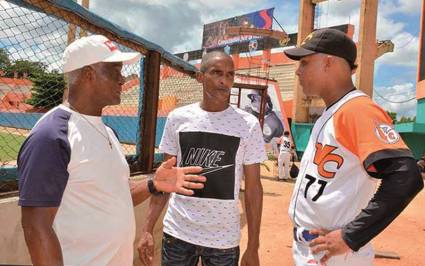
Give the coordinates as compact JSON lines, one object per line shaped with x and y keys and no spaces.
{"x":221,"y":143}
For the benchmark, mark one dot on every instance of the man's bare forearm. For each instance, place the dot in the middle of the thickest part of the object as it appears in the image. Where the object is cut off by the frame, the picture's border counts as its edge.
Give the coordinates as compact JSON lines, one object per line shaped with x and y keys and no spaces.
{"x":253,"y":203}
{"x":254,"y":208}
{"x":42,"y":242}
{"x":43,"y":246}
{"x":156,"y":205}
{"x":139,"y":191}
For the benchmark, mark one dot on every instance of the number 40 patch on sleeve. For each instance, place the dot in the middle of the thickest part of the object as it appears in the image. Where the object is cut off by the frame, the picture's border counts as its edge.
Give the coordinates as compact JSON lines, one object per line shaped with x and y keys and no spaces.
{"x":387,"y":134}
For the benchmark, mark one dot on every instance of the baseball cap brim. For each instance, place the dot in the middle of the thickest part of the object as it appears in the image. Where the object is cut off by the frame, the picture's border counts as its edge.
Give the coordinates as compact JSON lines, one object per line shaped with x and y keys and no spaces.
{"x":298,"y":53}
{"x":125,"y":58}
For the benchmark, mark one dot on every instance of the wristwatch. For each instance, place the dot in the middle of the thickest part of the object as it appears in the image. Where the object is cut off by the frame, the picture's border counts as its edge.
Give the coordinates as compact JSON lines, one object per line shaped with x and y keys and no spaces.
{"x":151,"y":187}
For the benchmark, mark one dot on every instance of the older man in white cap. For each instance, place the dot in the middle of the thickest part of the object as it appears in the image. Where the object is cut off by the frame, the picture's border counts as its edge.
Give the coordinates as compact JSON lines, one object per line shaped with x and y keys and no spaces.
{"x":77,"y":205}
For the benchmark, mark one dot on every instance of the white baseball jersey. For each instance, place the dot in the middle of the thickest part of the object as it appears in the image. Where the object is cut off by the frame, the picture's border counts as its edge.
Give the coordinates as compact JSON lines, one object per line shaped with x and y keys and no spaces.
{"x":285,"y":145}
{"x":333,"y":185}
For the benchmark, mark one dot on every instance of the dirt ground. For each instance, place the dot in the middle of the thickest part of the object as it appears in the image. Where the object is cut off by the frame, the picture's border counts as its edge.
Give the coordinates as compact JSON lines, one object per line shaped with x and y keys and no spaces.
{"x":405,"y":236}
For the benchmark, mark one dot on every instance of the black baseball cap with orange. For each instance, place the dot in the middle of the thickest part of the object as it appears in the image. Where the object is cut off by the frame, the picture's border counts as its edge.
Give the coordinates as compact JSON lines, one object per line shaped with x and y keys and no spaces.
{"x":326,"y":41}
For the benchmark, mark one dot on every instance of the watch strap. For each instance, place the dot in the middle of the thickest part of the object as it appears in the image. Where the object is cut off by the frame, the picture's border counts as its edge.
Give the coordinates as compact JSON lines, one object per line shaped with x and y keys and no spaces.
{"x":152,"y":189}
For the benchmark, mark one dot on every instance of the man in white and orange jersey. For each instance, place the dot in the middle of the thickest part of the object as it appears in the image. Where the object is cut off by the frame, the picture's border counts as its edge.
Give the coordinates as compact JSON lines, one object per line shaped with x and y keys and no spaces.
{"x":335,"y":207}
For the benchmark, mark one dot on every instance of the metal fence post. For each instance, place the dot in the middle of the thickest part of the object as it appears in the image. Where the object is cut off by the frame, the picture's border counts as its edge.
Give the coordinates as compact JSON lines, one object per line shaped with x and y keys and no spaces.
{"x":152,"y":63}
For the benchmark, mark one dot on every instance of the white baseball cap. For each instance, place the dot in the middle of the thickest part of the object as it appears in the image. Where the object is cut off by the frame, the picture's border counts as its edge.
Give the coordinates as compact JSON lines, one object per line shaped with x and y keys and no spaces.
{"x":94,"y":49}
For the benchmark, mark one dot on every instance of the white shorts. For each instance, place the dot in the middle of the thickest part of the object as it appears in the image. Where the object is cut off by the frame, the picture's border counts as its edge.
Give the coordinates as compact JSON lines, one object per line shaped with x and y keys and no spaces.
{"x":303,"y":256}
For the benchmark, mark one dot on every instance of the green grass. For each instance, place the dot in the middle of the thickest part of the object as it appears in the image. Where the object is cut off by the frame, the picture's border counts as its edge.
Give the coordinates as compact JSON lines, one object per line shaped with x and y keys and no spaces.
{"x":9,"y":146}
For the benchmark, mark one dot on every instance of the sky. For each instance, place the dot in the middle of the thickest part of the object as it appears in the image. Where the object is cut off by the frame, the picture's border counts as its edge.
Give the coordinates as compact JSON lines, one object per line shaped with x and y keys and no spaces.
{"x":178,"y":27}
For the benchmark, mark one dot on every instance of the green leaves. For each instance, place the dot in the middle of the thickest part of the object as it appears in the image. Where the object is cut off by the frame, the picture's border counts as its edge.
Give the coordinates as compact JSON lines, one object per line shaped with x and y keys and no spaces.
{"x":47,"y":90}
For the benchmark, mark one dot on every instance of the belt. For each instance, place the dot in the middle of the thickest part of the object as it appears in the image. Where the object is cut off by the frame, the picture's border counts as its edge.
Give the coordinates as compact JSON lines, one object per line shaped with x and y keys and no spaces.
{"x":303,"y":235}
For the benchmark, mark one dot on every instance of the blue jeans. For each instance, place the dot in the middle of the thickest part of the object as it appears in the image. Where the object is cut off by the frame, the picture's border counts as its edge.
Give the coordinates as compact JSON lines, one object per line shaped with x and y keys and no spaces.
{"x":176,"y":252}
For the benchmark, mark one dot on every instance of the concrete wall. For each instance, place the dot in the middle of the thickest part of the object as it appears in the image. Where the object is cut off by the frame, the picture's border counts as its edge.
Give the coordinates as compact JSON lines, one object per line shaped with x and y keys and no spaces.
{"x":12,"y":244}
{"x":19,"y":120}
{"x":124,"y":126}
{"x":13,"y":250}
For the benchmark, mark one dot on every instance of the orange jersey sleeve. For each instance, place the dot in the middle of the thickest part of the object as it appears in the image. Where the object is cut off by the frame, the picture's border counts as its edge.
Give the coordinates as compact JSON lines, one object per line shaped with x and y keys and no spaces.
{"x":367,"y":131}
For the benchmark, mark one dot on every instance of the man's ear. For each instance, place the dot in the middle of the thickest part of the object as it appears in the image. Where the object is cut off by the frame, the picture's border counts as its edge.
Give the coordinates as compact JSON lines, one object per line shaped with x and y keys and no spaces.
{"x":89,"y":73}
{"x":200,"y":77}
{"x":353,"y":70}
{"x":328,"y":61}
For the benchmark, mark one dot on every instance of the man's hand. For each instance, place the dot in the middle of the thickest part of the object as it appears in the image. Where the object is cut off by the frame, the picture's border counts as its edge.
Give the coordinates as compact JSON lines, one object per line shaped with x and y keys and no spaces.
{"x":250,"y":258}
{"x":329,"y":242}
{"x":177,"y":179}
{"x":146,"y":248}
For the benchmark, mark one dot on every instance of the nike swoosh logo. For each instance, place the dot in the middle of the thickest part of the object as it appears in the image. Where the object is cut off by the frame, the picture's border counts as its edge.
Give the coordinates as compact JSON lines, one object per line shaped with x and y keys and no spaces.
{"x":214,"y":169}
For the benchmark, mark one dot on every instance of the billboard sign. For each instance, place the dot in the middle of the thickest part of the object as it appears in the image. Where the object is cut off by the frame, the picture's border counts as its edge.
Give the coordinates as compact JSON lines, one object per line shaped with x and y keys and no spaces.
{"x":215,"y":33}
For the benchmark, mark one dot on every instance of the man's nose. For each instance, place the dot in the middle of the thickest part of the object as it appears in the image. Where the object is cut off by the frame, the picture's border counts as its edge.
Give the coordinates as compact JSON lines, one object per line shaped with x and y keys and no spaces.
{"x":297,"y":72}
{"x":228,"y":81}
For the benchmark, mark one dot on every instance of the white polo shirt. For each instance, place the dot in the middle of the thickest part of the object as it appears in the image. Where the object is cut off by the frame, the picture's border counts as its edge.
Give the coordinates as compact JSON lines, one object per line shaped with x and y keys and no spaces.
{"x":66,"y":162}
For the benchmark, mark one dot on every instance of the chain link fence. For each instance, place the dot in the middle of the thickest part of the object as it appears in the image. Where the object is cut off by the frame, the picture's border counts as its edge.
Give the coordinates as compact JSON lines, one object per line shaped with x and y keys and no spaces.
{"x":33,"y":36}
{"x":176,"y":89}
{"x":32,"y":82}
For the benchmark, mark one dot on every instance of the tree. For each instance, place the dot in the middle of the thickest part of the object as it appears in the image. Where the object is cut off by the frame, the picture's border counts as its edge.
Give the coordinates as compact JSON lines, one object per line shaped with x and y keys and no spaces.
{"x":24,"y":66}
{"x":47,"y":90}
{"x":4,"y":59}
{"x":393,"y":116}
{"x":19,"y":66}
{"x":404,"y":119}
